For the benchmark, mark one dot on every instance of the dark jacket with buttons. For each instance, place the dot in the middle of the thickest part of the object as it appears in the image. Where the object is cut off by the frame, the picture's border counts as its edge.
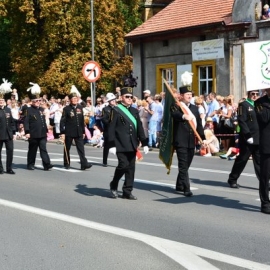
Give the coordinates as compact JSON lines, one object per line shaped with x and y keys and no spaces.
{"x":72,"y":121}
{"x":122,"y":132}
{"x":106,"y":119}
{"x":183,"y":134}
{"x":7,"y":124}
{"x":35,"y":122}
{"x":248,"y":123}
{"x":262,"y":108}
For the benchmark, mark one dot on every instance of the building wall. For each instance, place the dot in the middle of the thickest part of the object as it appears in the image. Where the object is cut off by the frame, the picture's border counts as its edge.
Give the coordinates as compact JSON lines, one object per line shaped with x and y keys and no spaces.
{"x":179,"y":52}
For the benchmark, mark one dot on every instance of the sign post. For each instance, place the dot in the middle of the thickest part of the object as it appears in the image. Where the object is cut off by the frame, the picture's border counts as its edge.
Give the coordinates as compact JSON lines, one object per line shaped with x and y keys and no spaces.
{"x":91,"y":72}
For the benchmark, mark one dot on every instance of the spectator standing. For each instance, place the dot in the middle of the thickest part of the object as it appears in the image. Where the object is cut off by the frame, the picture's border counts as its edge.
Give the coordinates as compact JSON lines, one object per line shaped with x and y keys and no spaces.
{"x":89,"y":113}
{"x":152,"y":122}
{"x":159,"y":117}
{"x":248,"y":139}
{"x":213,"y":108}
{"x":143,"y":113}
{"x":202,"y":112}
{"x":15,"y":114}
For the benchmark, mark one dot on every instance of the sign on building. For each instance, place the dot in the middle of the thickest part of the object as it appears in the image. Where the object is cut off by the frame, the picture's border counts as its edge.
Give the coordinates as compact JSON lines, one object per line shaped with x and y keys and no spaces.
{"x":257,"y":65}
{"x":208,"y":49}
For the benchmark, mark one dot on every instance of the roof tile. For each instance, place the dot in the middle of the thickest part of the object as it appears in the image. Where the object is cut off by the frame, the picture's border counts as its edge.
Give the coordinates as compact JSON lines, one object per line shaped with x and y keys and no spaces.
{"x":185,"y":13}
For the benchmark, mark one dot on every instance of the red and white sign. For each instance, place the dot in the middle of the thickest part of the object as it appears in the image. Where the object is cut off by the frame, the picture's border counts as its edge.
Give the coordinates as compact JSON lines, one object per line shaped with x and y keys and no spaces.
{"x":91,"y":71}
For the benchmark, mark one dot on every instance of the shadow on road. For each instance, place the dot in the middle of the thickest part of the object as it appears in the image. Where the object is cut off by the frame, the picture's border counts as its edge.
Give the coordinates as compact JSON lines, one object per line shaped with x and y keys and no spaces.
{"x":84,"y":190}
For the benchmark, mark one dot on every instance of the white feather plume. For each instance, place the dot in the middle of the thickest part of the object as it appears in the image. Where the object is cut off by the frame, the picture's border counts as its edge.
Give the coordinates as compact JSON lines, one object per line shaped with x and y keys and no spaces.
{"x":5,"y":87}
{"x":74,"y":90}
{"x":186,"y":78}
{"x":35,"y":89}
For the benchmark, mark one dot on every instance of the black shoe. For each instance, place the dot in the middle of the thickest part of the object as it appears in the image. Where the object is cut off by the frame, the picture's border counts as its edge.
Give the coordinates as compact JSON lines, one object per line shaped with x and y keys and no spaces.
{"x":87,"y":166}
{"x":48,"y":167}
{"x":233,"y":185}
{"x":114,"y":193}
{"x":150,"y":149}
{"x":265,"y":210}
{"x":179,"y":188}
{"x":1,"y":171}
{"x":129,"y":197}
{"x":30,"y":167}
{"x":10,"y":172}
{"x":67,"y":166}
{"x":105,"y":165}
{"x":188,"y":193}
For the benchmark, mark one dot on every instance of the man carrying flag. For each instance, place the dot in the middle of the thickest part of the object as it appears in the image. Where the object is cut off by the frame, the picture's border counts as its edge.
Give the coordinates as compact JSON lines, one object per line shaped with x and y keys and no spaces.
{"x":186,"y":124}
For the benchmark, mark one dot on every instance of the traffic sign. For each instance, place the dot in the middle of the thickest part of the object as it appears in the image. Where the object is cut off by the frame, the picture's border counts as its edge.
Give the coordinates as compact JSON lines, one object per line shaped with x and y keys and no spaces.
{"x":91,"y":71}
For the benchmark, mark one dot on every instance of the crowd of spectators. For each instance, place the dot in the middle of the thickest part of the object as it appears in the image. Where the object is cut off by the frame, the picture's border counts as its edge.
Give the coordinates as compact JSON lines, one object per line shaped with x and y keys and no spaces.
{"x":218,"y":114}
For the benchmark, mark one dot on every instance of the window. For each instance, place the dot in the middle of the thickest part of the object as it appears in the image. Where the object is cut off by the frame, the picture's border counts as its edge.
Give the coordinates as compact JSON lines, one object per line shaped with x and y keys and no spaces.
{"x":168,"y":72}
{"x":205,"y":80}
{"x":204,"y":77}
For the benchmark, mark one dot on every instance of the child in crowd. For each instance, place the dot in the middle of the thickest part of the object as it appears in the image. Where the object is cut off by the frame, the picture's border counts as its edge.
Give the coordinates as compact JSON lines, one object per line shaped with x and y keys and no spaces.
{"x":232,"y":152}
{"x":50,"y":133}
{"x":97,"y":135}
{"x":20,"y":134}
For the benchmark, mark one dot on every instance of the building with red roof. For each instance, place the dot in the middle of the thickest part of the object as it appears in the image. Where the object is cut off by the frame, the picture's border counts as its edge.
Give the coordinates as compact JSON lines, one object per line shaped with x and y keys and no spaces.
{"x":203,"y":37}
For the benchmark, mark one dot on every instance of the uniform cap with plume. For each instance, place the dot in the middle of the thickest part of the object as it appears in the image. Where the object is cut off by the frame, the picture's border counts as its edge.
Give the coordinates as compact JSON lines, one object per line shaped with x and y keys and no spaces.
{"x":186,"y":79}
{"x":74,"y":92}
{"x":5,"y":88}
{"x":35,"y":90}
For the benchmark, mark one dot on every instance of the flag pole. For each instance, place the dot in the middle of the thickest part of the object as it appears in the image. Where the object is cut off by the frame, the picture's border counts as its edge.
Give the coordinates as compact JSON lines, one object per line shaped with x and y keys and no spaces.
{"x":180,"y":105}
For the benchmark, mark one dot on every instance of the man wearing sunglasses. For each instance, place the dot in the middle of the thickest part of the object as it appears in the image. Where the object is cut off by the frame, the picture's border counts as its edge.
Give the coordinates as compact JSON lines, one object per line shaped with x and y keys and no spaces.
{"x":36,"y":132}
{"x":248,"y":139}
{"x":124,"y":134}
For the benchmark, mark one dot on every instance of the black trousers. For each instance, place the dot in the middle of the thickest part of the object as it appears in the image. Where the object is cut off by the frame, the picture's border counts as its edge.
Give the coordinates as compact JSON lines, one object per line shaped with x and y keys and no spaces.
{"x":185,"y":157}
{"x":105,"y":150}
{"x":126,"y":166}
{"x":9,"y":154}
{"x":80,"y":149}
{"x":264,"y":179}
{"x":246,"y":150}
{"x":34,"y":144}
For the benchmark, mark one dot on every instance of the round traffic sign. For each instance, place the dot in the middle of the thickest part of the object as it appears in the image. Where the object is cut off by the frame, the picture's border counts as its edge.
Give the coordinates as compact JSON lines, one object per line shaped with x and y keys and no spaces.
{"x":91,"y":71}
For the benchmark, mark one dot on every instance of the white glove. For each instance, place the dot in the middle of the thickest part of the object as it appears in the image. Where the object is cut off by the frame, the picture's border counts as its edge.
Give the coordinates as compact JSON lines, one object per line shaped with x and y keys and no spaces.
{"x":146,"y":149}
{"x":187,"y":117}
{"x":112,"y":150}
{"x":250,"y":141}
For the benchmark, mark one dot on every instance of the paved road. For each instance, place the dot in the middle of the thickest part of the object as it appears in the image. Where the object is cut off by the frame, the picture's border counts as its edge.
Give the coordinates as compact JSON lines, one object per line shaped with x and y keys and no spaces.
{"x":66,"y":219}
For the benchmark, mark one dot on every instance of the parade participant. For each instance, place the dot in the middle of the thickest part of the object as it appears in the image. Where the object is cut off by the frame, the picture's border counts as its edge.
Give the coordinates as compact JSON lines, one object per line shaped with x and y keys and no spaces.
{"x":125,"y":132}
{"x":248,"y":139}
{"x":7,"y":131}
{"x":106,"y":118}
{"x":184,"y":136}
{"x":262,"y":109}
{"x":36,"y":131}
{"x":72,"y":128}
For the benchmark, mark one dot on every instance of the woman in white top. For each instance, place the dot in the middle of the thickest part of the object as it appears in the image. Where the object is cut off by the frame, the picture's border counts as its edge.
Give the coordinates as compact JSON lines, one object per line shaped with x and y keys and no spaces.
{"x":211,"y":142}
{"x":202,"y":111}
{"x":15,"y":113}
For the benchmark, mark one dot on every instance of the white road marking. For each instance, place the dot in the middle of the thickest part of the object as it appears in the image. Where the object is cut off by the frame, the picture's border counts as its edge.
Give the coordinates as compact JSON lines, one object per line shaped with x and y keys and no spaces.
{"x":186,"y":255}
{"x":157,"y":183}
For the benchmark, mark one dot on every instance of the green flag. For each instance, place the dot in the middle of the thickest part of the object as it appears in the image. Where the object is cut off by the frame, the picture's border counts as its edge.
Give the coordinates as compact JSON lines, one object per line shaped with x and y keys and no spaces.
{"x":165,"y":147}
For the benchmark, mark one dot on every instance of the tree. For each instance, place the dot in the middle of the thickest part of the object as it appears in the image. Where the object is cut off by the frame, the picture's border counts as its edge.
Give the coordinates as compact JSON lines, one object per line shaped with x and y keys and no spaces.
{"x":51,"y":40}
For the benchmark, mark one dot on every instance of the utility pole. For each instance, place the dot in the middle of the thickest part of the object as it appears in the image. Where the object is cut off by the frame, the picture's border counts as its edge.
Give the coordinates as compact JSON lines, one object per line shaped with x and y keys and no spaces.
{"x":93,"y":84}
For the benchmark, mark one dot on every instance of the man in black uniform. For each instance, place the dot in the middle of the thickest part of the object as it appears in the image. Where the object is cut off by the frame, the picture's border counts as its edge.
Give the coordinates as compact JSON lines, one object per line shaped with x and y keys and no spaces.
{"x":106,"y":118}
{"x":72,"y":128}
{"x":7,"y":133}
{"x":184,"y":137}
{"x":125,"y":132}
{"x":36,"y":133}
{"x":262,"y":108}
{"x":248,"y":139}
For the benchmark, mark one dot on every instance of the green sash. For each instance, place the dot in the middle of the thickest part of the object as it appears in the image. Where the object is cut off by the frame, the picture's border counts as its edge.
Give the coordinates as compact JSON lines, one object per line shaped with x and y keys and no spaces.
{"x":128,"y":114}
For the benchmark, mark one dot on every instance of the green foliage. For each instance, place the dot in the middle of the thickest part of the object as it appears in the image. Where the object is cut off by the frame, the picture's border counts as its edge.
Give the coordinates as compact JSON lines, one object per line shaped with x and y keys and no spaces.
{"x":51,"y":41}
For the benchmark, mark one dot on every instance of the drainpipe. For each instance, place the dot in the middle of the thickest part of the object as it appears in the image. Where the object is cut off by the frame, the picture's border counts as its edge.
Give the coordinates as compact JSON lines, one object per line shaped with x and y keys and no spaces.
{"x":142,"y":67}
